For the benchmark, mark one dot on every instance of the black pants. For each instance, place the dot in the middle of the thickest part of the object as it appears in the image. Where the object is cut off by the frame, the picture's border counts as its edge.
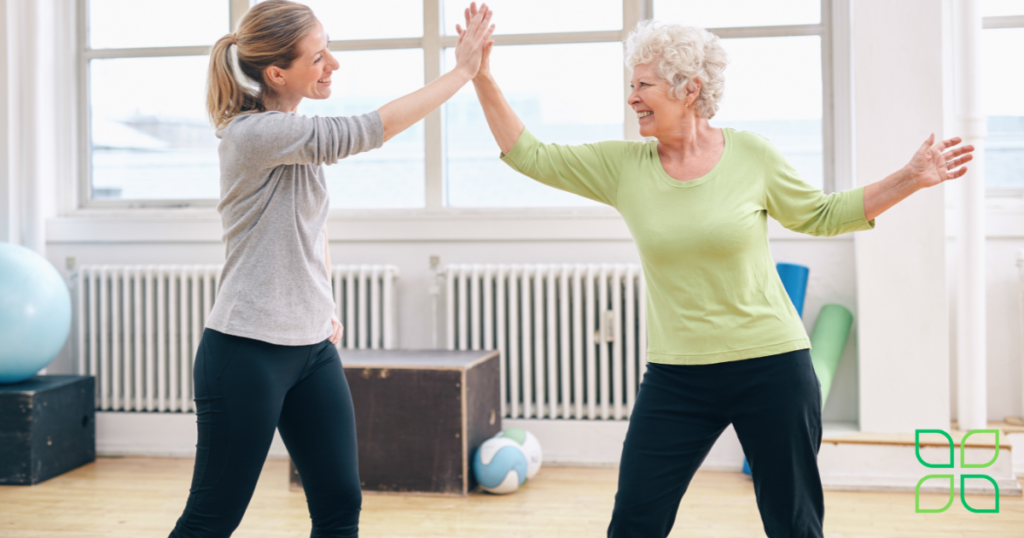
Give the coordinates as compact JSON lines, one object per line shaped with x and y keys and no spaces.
{"x":774,"y":403}
{"x":244,"y":389}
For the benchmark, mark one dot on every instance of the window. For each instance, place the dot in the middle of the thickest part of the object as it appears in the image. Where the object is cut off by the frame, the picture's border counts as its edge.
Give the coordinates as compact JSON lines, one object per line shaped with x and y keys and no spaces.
{"x":149,"y":143}
{"x":144,"y":68}
{"x":1002,"y":52}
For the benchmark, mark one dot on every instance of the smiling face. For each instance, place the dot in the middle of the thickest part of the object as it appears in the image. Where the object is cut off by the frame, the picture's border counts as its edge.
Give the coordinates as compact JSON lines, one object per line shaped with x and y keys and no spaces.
{"x":309,"y":75}
{"x":657,"y":111}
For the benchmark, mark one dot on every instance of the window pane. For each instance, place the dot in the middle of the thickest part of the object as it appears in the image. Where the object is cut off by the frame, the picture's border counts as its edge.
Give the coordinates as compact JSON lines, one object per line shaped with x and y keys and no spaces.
{"x":1003,"y":95}
{"x":541,"y":16}
{"x":151,"y":138}
{"x":156,"y":23}
{"x":773,"y":88}
{"x":569,"y":94}
{"x":733,"y":13}
{"x":998,"y":8}
{"x":392,"y":176}
{"x":359,"y":19}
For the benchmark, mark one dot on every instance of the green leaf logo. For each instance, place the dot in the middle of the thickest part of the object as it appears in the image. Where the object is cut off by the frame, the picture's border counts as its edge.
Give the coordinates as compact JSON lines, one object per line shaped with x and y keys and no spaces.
{"x":963,"y":477}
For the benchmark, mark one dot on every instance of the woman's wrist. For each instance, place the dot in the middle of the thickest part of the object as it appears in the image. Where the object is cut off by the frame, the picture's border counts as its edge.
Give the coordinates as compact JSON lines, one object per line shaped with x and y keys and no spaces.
{"x":904,"y":181}
{"x":463,"y":73}
{"x":483,"y":78}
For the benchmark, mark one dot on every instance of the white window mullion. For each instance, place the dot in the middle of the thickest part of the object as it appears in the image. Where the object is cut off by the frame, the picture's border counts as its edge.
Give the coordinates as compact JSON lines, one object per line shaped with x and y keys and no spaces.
{"x":1005,"y":21}
{"x":237,"y":9}
{"x":841,"y":95}
{"x":633,"y":11}
{"x":827,"y":102}
{"x":84,"y":189}
{"x":433,"y":140}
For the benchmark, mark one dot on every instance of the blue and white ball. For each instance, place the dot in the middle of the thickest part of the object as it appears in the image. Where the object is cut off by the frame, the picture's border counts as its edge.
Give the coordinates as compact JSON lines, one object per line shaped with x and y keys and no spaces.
{"x":507,"y":460}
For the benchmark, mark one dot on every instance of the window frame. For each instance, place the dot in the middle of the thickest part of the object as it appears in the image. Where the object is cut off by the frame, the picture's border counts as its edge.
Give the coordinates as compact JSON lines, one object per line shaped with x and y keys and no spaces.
{"x":1000,"y":196}
{"x":837,"y":136}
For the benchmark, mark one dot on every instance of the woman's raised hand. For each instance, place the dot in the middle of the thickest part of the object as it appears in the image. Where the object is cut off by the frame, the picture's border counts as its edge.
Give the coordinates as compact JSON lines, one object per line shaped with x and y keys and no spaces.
{"x":474,"y":44}
{"x":932,"y":164}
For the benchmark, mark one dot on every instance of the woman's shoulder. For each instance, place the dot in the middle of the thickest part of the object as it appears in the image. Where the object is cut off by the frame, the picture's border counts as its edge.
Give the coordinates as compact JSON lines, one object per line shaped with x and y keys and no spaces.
{"x":747,"y":139}
{"x":249,"y":122}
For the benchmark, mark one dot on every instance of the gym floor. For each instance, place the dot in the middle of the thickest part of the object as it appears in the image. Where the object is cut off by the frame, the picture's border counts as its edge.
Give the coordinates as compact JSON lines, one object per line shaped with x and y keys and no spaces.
{"x":142,"y":497}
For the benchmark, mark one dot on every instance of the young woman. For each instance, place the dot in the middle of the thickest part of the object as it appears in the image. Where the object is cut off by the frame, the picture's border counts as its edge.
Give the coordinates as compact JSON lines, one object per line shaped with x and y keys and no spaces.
{"x":267,"y":357}
{"x":725,"y":344}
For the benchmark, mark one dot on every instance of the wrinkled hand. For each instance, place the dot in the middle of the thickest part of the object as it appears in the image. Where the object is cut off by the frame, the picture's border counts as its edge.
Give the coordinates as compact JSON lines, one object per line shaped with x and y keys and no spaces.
{"x":474,"y":42}
{"x":930,"y":166}
{"x":337,"y":330}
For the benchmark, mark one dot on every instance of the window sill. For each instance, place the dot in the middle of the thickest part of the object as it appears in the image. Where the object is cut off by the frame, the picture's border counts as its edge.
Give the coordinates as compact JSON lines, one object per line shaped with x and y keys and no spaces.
{"x":203,"y":225}
{"x":1004,"y":219}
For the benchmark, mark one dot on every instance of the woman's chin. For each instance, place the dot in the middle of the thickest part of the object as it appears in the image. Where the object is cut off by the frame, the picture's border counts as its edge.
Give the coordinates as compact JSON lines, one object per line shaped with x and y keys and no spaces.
{"x":321,"y":93}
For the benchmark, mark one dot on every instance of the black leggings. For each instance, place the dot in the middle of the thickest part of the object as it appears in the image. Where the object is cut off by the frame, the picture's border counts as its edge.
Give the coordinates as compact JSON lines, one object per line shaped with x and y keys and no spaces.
{"x":773,"y":402}
{"x":244,"y":389}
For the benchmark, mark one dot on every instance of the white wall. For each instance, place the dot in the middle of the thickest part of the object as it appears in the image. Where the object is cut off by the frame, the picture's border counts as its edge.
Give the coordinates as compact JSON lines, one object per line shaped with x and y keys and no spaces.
{"x":899,"y":98}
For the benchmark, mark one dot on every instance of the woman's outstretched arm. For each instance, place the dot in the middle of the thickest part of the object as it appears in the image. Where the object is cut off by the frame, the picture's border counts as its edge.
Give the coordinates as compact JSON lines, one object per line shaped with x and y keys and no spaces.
{"x":928,"y":167}
{"x":402,"y":113}
{"x":504,"y":123}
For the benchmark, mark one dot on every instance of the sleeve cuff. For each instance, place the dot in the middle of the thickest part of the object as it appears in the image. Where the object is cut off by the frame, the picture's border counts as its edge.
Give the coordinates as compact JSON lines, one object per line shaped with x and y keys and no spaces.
{"x":859,"y":219}
{"x":522,"y":146}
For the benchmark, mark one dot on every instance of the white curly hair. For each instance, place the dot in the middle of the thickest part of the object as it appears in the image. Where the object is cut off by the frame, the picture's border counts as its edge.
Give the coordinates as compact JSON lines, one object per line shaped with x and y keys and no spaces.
{"x":684,"y":53}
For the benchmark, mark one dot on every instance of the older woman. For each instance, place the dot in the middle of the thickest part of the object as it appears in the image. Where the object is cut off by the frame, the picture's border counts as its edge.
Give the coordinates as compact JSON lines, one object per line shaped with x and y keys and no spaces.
{"x":726,"y":345}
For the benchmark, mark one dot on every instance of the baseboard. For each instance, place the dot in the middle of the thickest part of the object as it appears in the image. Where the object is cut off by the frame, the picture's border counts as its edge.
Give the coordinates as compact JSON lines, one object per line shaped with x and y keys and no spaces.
{"x":1017,"y":439}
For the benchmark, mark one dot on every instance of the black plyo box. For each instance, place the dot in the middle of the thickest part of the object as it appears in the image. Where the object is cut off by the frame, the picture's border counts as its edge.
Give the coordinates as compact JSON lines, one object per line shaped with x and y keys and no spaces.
{"x":420,"y":416}
{"x":47,"y":427}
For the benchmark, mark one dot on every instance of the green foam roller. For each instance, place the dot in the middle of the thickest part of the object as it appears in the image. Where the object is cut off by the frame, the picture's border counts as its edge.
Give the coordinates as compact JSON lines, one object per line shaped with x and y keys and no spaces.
{"x":828,"y":339}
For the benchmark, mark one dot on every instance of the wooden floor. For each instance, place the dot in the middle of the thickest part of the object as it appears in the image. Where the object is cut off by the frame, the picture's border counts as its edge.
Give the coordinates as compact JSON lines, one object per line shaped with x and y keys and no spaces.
{"x":138,"y":497}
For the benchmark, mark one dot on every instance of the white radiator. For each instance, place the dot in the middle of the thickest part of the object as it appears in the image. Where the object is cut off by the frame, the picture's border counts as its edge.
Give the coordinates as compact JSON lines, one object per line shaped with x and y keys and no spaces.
{"x":139,"y":326}
{"x":573,"y":338}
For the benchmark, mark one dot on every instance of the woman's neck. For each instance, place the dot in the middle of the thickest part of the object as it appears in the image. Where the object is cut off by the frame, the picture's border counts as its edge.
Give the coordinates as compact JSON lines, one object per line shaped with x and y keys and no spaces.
{"x":693,"y":135}
{"x":282,"y":104}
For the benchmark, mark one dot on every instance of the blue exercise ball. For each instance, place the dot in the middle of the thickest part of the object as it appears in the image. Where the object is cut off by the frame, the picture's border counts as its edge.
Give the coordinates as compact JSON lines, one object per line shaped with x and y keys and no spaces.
{"x":35,"y":313}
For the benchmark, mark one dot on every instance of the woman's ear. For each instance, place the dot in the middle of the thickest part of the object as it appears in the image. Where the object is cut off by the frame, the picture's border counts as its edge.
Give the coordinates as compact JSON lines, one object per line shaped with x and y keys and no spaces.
{"x":274,"y":75}
{"x":692,"y":92}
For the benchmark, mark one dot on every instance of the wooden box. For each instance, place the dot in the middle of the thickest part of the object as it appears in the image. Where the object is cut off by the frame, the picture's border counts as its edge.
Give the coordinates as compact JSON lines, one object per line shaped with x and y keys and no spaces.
{"x":420,"y":416}
{"x":47,"y":427}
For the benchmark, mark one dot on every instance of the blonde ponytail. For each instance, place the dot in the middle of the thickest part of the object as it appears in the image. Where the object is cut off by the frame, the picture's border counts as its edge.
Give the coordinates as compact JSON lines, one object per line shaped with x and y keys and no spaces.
{"x":267,"y":35}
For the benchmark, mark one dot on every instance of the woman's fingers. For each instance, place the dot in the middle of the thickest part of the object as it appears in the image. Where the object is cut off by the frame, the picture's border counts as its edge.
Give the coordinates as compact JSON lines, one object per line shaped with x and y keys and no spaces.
{"x":480,"y":20}
{"x":958,"y":161}
{"x":958,"y":152}
{"x":946,"y":144}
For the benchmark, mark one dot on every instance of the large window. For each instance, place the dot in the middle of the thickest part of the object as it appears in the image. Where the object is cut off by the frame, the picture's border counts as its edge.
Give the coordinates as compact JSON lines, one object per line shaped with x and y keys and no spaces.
{"x":1002,"y":52}
{"x":149,"y":143}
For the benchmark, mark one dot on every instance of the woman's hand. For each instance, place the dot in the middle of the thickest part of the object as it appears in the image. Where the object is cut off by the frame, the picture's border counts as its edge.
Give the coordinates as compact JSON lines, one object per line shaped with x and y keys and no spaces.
{"x":474,"y":40}
{"x":402,"y":113}
{"x":930,"y":166}
{"x":337,"y":331}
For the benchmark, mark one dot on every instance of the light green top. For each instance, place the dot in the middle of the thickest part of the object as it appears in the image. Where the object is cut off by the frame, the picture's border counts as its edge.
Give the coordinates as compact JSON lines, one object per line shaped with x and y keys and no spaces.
{"x":713,"y":293}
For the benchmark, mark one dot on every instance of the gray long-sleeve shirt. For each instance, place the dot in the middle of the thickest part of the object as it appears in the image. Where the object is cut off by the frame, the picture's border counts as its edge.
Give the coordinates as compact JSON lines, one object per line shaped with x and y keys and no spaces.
{"x":274,"y":205}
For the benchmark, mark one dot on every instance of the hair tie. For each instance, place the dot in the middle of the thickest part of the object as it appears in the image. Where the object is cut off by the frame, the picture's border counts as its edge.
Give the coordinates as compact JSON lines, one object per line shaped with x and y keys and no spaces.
{"x":236,"y":70}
